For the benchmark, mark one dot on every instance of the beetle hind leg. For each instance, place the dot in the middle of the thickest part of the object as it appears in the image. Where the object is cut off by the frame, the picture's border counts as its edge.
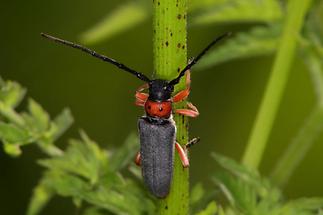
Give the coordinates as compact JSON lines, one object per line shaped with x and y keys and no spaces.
{"x":138,"y":159}
{"x":183,"y":155}
{"x":182,"y":151}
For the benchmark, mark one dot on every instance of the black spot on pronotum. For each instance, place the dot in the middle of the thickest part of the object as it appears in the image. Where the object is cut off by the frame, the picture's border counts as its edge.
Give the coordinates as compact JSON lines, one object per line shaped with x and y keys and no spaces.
{"x":166,"y":43}
{"x":149,"y":107}
{"x":160,"y":109}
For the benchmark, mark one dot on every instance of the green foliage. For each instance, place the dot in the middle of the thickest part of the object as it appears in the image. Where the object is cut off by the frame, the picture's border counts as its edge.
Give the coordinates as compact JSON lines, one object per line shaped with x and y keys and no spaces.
{"x":116,"y":22}
{"x":248,"y":193}
{"x":89,"y":174}
{"x":18,"y":129}
{"x":260,"y":40}
{"x":239,"y":11}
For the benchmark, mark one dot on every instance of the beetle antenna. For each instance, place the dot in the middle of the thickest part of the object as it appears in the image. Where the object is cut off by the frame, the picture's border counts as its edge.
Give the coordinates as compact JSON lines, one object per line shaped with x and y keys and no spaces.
{"x":94,"y":54}
{"x":197,"y":58}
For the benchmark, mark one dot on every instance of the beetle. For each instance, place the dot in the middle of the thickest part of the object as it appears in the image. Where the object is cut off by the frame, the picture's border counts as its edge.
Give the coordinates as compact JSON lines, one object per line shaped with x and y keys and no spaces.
{"x":157,"y":130}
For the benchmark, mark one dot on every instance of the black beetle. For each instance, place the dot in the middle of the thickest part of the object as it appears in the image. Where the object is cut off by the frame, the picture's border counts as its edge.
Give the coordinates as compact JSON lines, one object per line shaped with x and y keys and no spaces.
{"x":157,"y":128}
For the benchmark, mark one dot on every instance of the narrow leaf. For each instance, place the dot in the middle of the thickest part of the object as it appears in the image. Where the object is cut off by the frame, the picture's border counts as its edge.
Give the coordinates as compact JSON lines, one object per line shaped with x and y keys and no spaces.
{"x":41,"y":196}
{"x":116,"y":22}
{"x":258,"y":41}
{"x":240,"y":11}
{"x":62,"y":122}
{"x":211,"y":209}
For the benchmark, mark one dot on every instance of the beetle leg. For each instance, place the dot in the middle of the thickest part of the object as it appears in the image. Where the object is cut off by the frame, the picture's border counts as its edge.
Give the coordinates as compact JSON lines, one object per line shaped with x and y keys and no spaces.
{"x":181,"y":95}
{"x":192,"y":142}
{"x":183,"y":155}
{"x":191,"y":112}
{"x":138,"y":159}
{"x":141,"y":97}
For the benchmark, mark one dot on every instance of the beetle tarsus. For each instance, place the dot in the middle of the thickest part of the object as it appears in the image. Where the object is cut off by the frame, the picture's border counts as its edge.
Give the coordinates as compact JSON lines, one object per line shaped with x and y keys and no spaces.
{"x":192,"y":142}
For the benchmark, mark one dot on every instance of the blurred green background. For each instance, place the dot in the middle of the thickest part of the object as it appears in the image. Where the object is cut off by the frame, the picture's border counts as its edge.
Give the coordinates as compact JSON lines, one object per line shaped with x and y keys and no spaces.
{"x":102,"y":98}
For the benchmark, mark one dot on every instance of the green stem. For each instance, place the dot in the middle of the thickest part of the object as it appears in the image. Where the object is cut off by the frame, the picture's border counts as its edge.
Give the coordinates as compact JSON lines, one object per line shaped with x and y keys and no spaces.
{"x":299,"y":147}
{"x":313,"y":126}
{"x":297,"y":10}
{"x":170,"y":56}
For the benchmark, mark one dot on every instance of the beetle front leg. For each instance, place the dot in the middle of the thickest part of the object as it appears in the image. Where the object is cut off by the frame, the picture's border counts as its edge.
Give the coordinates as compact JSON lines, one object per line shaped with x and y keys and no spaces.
{"x":141,"y":98}
{"x":181,"y":95}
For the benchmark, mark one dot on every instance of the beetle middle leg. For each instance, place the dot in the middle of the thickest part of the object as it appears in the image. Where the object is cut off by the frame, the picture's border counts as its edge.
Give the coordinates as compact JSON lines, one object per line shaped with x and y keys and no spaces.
{"x":191,"y":111}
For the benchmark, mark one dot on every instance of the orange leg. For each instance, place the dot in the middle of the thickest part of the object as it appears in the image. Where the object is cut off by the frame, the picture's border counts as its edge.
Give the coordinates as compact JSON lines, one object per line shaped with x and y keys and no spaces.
{"x":183,"y":155}
{"x":181,"y":95}
{"x":191,"y":111}
{"x":183,"y":151}
{"x":141,"y":98}
{"x":138,"y":159}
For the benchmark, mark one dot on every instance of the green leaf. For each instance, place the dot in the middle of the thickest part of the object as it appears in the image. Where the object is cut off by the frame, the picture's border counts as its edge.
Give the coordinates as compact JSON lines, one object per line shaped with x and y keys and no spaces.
{"x":41,"y":196}
{"x":12,"y":150}
{"x":258,"y":41}
{"x":93,"y":211}
{"x":123,"y":156}
{"x":62,"y":122}
{"x":116,"y":22}
{"x":211,"y":209}
{"x":197,"y":194}
{"x":303,"y":206}
{"x":240,"y":11}
{"x":84,"y":159}
{"x":39,"y":117}
{"x":11,"y":93}
{"x":12,"y":134}
{"x":82,"y":173}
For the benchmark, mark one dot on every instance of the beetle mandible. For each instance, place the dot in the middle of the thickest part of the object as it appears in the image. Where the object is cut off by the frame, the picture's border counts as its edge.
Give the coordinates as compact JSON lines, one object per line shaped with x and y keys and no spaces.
{"x":157,"y":130}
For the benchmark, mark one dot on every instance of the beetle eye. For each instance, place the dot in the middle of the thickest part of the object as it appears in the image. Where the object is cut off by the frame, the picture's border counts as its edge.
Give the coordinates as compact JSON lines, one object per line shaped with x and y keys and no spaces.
{"x":165,"y":87}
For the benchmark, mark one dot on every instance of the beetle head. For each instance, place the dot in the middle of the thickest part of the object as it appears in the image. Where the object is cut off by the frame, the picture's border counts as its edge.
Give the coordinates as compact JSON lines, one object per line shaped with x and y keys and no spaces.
{"x":160,"y":90}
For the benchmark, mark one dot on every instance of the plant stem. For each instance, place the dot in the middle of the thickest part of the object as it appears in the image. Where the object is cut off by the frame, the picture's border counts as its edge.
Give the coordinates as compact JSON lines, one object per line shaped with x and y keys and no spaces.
{"x":311,"y":129}
{"x":170,"y":56}
{"x":297,"y":10}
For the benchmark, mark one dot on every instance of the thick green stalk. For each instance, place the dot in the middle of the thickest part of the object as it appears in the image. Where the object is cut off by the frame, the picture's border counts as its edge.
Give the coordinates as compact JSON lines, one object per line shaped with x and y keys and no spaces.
{"x":170,"y":56}
{"x":259,"y":136}
{"x":311,"y":129}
